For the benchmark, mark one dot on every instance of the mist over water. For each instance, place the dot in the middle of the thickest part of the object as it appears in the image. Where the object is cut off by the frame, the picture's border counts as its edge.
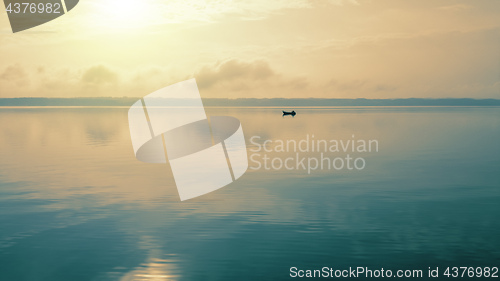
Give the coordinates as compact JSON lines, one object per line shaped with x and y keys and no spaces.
{"x":75,"y":204}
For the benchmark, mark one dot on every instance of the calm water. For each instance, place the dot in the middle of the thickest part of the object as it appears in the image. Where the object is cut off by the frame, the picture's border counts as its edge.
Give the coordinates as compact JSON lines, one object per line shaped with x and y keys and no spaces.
{"x":75,"y":204}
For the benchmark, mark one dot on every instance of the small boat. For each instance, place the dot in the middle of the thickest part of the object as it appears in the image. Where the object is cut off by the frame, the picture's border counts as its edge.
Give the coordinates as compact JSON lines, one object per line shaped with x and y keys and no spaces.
{"x":289,"y":113}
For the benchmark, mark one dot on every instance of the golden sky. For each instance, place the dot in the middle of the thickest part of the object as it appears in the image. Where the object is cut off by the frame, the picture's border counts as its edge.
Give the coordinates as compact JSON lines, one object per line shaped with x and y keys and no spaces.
{"x":259,"y":49}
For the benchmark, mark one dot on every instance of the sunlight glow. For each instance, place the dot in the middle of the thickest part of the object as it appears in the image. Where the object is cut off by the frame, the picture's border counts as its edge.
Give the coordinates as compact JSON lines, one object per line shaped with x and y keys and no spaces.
{"x":126,"y":14}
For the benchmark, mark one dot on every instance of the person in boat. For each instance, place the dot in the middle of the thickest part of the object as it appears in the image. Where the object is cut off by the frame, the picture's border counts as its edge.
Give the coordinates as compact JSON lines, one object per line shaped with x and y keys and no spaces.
{"x":289,"y":113}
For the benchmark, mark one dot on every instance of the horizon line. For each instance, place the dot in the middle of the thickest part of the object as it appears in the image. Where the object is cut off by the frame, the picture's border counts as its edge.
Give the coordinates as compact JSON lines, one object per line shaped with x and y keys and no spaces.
{"x":263,"y":102}
{"x":308,"y":98}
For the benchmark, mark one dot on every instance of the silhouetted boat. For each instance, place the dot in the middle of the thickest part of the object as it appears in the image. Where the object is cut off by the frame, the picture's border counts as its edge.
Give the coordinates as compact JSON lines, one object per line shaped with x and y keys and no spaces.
{"x":289,"y":113}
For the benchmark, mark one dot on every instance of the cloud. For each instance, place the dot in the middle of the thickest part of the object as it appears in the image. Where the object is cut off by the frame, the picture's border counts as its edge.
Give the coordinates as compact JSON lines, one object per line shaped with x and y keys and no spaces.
{"x":235,"y":78}
{"x":342,"y":2}
{"x":384,"y":88}
{"x":99,"y":75}
{"x":297,"y":83}
{"x":385,"y":65}
{"x":13,"y":72}
{"x":455,"y":8}
{"x":431,"y":64}
{"x":25,"y":80}
{"x":15,"y":76}
{"x":233,"y":70}
{"x":346,"y":86}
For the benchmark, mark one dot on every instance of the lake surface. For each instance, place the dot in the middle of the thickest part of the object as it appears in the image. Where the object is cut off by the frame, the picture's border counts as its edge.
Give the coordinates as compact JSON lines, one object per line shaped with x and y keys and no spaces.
{"x":75,"y":204}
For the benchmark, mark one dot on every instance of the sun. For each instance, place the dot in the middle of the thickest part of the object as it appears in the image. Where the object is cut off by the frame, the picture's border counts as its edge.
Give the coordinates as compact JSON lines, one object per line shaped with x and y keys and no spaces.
{"x":125,"y":14}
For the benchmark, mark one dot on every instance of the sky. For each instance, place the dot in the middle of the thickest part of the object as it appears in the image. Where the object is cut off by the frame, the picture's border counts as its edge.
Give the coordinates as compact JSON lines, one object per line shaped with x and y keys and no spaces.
{"x":259,"y":49}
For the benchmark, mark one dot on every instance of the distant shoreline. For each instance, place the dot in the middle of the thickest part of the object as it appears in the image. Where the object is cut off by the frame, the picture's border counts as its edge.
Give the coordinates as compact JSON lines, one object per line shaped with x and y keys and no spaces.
{"x":251,"y":102}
